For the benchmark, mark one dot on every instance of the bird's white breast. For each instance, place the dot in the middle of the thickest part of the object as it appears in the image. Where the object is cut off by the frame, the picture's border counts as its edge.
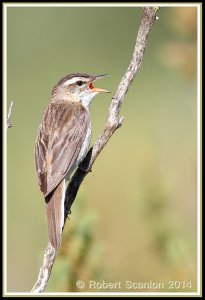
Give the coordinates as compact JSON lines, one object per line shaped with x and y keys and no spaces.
{"x":85,"y":146}
{"x":83,"y":151}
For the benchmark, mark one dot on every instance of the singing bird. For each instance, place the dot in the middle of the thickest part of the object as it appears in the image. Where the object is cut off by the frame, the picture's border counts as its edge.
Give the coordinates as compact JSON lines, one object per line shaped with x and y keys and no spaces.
{"x":62,"y":142}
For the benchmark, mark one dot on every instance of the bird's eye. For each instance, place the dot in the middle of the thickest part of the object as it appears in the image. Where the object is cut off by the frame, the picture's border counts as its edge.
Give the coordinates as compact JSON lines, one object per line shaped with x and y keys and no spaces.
{"x":79,"y":82}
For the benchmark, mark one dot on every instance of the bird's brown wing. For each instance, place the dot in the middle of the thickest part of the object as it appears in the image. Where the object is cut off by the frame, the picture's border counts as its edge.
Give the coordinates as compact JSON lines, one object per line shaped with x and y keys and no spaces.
{"x":60,"y":138}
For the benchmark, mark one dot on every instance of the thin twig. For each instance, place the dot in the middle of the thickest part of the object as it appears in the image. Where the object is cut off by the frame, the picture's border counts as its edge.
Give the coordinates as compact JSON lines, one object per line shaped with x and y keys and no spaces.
{"x":113,"y":123}
{"x":8,"y":121}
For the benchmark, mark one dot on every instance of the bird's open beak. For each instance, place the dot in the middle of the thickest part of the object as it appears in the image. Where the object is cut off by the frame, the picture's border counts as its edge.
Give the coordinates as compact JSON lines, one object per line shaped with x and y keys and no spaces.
{"x":94,"y":89}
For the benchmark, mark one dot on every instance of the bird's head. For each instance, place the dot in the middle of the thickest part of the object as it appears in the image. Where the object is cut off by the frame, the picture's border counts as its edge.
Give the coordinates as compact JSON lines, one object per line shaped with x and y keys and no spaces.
{"x":78,"y":87}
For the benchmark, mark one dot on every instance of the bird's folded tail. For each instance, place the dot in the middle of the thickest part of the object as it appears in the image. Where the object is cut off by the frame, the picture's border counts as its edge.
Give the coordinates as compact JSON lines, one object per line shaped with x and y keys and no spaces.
{"x":55,"y":214}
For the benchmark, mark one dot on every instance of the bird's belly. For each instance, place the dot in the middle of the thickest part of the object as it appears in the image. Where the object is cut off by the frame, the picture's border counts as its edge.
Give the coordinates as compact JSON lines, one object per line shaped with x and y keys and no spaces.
{"x":83,"y":151}
{"x":85,"y":146}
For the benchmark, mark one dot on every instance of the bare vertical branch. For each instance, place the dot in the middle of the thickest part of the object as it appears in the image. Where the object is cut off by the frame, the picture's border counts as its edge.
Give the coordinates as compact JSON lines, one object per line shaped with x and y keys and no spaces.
{"x":45,"y":270}
{"x":113,"y":123}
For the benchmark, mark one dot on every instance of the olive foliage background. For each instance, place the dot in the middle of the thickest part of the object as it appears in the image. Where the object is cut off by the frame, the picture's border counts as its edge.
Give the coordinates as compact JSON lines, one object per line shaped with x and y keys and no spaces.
{"x":135,"y":215}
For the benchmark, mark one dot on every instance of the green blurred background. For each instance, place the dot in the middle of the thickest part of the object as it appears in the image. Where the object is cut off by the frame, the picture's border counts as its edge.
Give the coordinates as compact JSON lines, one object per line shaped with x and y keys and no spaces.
{"x":135,"y":215}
